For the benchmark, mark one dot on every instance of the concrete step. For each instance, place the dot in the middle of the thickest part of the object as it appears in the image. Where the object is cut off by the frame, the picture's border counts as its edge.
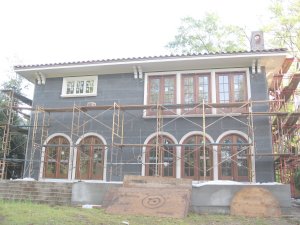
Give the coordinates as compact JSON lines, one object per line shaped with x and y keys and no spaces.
{"x":42,"y":192}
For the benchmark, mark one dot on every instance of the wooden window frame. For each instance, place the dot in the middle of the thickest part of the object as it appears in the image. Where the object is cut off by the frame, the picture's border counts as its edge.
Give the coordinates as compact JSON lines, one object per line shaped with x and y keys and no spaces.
{"x":91,"y":150}
{"x":58,"y":149}
{"x":197,"y":156}
{"x":195,"y":77}
{"x":153,"y":112}
{"x":161,"y":156}
{"x":231,"y":91}
{"x":234,"y":166}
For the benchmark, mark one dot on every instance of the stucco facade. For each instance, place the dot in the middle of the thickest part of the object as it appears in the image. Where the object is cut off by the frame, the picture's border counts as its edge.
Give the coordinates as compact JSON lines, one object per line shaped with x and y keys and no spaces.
{"x":132,"y":88}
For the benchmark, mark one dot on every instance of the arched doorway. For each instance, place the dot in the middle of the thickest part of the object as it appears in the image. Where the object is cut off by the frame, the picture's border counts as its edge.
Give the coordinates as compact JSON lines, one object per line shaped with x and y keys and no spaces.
{"x":233,"y":154}
{"x":192,"y":158}
{"x":160,"y":157}
{"x":57,"y":153}
{"x":90,"y":159}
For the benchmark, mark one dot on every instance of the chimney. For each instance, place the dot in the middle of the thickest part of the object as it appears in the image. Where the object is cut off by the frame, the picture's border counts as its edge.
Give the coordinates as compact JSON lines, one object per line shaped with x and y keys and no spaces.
{"x":257,"y":41}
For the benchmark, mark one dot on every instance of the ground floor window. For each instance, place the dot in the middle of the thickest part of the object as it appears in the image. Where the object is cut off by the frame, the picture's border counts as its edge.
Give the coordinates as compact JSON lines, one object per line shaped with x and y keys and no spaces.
{"x":233,"y":158}
{"x":90,"y":159}
{"x":56,"y":163}
{"x":161,"y":157}
{"x":192,"y":158}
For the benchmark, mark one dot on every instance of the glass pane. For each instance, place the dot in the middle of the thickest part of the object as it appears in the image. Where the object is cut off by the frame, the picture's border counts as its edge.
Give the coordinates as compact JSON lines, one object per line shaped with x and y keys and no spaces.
{"x":154,"y":91}
{"x":70,"y":87}
{"x":188,"y":90}
{"x":98,"y":161}
{"x":201,"y":162}
{"x":79,"y":87}
{"x":189,"y":157}
{"x":203,"y":89}
{"x":169,"y":91}
{"x":89,"y":86}
{"x":242,"y":161}
{"x":224,"y":89}
{"x":168,"y":162}
{"x":51,"y":169}
{"x":153,"y":160}
{"x":226,"y":158}
{"x":239,"y":88}
{"x":84,"y":162}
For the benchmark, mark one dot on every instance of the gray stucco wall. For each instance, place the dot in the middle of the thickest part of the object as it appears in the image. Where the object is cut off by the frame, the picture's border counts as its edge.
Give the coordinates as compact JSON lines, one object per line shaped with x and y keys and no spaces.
{"x":262,"y":129}
{"x":124,"y":89}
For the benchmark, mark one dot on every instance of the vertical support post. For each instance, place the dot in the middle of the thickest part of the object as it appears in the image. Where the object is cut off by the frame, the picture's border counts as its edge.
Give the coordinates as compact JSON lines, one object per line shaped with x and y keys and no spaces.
{"x":6,"y":135}
{"x":252,"y":147}
{"x":204,"y":140}
{"x":158,"y":153}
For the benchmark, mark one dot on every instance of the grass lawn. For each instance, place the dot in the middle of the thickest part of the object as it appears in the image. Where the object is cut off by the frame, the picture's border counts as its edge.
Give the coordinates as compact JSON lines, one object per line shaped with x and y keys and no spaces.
{"x":12,"y":212}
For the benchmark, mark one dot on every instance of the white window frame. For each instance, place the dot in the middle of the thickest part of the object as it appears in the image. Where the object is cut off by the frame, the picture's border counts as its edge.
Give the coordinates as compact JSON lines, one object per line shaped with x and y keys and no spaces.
{"x":77,"y":79}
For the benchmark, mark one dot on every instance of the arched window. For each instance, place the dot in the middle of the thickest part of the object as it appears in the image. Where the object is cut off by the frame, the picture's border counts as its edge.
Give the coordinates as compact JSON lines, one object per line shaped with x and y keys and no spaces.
{"x":161,"y":157}
{"x":192,"y":158}
{"x":57,"y":158}
{"x":90,"y":159}
{"x":233,"y":158}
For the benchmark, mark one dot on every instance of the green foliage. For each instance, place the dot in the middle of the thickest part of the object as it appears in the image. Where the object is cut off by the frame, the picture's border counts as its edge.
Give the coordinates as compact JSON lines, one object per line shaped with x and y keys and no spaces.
{"x":284,"y":28}
{"x":297,"y":179}
{"x":207,"y":35}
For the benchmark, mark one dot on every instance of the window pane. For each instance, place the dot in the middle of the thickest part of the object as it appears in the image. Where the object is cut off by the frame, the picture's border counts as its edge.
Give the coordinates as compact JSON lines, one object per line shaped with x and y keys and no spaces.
{"x":89,"y":86}
{"x":242,"y":161}
{"x":79,"y":87}
{"x":238,"y":86}
{"x":224,"y":88}
{"x":226,"y":158}
{"x":201,"y":161}
{"x":203,"y":89}
{"x":188,"y":90}
{"x":70,"y":87}
{"x":189,"y":158}
{"x":154,"y":91}
{"x":169,"y":91}
{"x":98,"y":161}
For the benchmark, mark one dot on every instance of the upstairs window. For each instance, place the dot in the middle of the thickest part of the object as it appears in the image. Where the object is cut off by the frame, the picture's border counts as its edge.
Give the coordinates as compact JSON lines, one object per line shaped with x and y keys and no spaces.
{"x":79,"y":86}
{"x":231,"y":88}
{"x":162,"y":90}
{"x":195,"y":90}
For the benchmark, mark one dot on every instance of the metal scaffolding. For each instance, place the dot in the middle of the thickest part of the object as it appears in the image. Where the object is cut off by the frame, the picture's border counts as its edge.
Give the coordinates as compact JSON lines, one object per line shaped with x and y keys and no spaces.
{"x":83,"y":117}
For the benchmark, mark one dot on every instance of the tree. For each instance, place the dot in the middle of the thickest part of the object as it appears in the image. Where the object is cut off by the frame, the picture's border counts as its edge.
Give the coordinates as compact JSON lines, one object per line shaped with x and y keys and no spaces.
{"x":207,"y":35}
{"x":284,"y":28}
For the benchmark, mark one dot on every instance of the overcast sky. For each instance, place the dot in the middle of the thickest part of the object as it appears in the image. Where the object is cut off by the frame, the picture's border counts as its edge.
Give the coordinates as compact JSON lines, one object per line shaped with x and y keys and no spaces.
{"x":45,"y":31}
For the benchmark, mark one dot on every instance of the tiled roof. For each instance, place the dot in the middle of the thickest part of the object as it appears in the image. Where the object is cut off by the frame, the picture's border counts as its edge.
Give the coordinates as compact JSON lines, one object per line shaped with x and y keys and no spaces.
{"x":277,"y":50}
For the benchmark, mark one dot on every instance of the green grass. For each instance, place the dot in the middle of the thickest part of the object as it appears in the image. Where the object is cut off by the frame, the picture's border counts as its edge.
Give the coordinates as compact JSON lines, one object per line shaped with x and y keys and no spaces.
{"x":13,"y":212}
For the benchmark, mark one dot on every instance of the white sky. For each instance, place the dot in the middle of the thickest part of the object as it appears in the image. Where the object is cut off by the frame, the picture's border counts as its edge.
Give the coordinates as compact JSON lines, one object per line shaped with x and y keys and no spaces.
{"x":45,"y":31}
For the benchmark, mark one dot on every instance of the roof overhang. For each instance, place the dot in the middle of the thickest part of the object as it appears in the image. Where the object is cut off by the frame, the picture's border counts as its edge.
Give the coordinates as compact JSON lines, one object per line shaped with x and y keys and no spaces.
{"x":272,"y":61}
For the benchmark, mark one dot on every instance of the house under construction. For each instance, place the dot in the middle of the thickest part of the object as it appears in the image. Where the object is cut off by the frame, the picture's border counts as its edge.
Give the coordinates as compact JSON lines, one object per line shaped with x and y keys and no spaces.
{"x":219,"y":116}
